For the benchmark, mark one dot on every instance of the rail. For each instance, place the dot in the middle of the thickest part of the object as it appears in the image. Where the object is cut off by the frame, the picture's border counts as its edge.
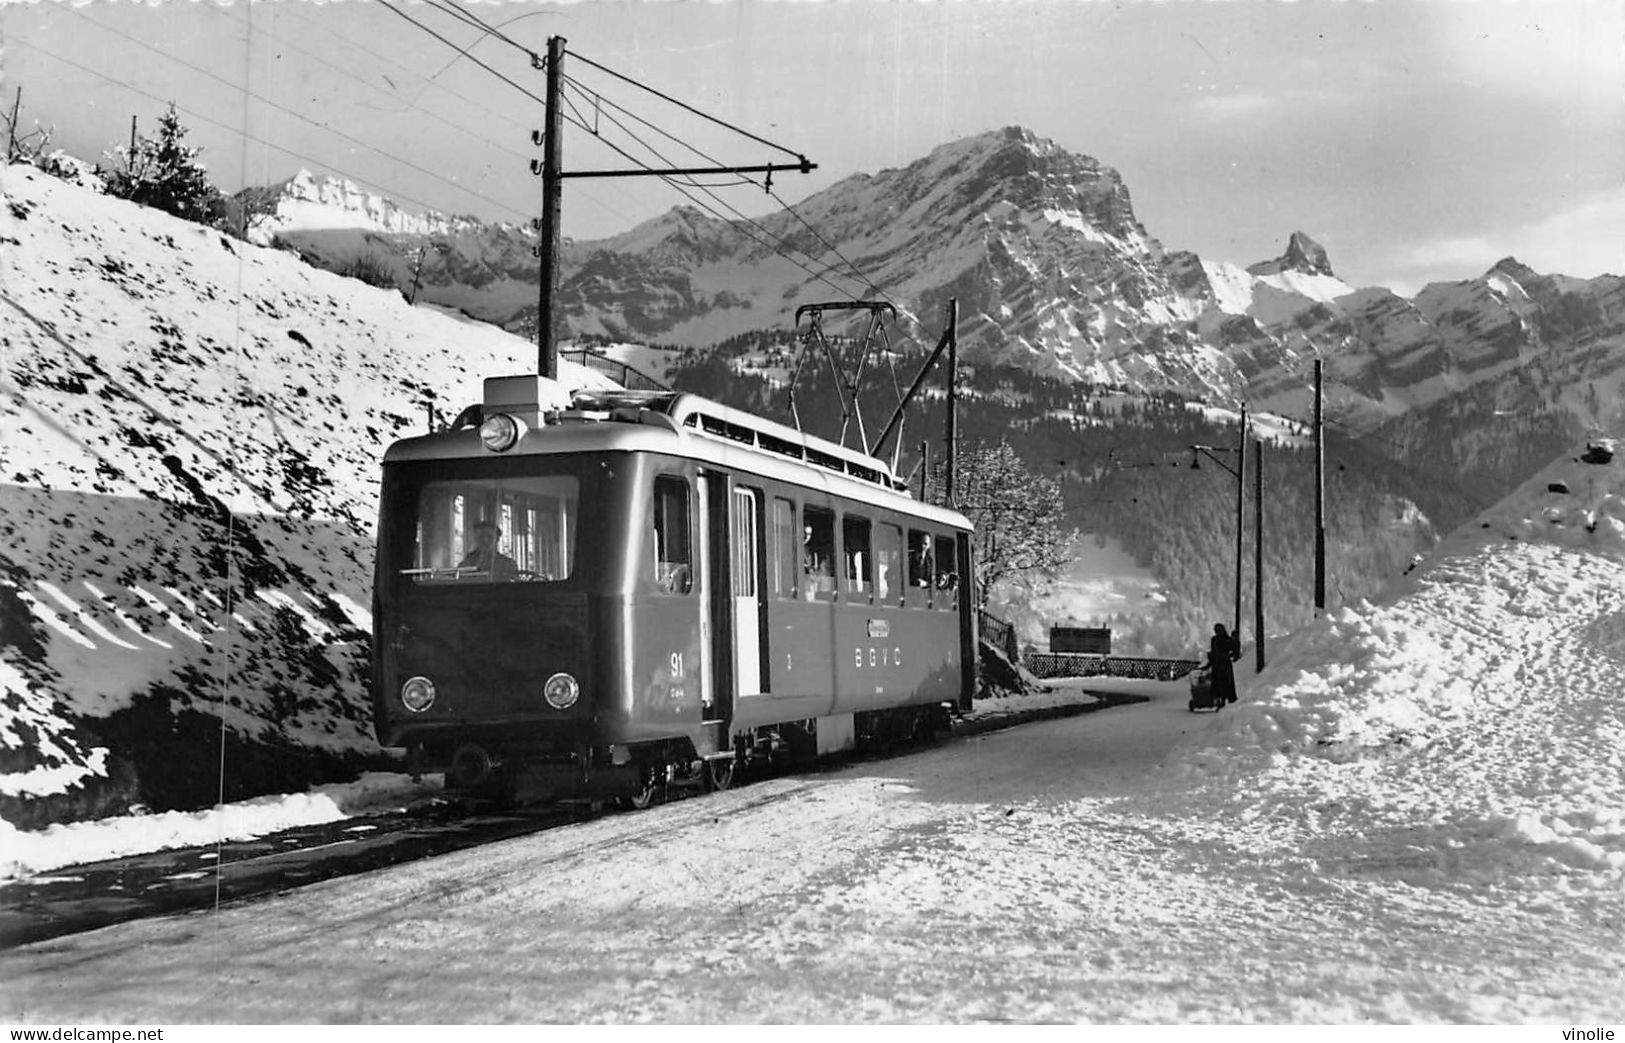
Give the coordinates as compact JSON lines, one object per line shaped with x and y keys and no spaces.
{"x":1083,"y":664}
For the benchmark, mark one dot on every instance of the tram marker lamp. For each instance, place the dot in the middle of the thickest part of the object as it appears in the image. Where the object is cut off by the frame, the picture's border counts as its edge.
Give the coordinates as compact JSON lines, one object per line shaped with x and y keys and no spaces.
{"x":500,"y":432}
{"x":417,"y":694}
{"x":561,"y":691}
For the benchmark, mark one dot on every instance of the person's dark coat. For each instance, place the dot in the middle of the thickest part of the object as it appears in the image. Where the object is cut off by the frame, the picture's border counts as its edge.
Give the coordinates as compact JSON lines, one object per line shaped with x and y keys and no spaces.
{"x":1222,"y":651}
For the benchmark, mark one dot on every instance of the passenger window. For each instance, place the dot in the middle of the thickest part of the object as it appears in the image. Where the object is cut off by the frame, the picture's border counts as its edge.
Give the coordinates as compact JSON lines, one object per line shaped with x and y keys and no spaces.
{"x":786,"y":541}
{"x":919,"y":559}
{"x":818,"y":553}
{"x":947,"y":574}
{"x":888,"y":559}
{"x":856,"y":555}
{"x":674,"y":572}
{"x":743,"y":559}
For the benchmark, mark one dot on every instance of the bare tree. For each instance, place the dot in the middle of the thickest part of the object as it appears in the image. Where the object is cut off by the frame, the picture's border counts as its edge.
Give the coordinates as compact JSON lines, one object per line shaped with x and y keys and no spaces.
{"x":247,"y":210}
{"x":21,"y":147}
{"x":1020,"y":530}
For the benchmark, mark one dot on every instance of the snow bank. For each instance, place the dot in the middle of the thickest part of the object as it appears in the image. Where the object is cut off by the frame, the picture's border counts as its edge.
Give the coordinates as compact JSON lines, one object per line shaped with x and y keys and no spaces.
{"x":25,"y":853}
{"x":1482,"y":697}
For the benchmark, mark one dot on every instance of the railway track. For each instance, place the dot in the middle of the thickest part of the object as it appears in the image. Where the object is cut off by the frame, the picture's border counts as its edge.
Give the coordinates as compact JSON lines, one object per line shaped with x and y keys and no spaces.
{"x":82,"y":898}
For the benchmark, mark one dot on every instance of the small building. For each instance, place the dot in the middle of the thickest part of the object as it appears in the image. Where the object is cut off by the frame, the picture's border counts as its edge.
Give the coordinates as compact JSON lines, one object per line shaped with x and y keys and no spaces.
{"x":1093,"y":640}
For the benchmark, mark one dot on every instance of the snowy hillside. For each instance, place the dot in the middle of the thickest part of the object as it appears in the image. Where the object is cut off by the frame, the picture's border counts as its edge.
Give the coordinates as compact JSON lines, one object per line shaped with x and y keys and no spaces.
{"x":189,"y":443}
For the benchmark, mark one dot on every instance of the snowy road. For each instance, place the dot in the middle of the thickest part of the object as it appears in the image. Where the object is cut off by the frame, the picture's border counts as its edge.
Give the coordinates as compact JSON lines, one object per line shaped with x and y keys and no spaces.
{"x":1049,"y":871}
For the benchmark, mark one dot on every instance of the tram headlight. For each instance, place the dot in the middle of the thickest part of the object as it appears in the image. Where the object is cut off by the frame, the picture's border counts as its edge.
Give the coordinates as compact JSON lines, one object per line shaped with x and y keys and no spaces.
{"x":561,"y":691}
{"x":500,"y":432}
{"x":417,"y":694}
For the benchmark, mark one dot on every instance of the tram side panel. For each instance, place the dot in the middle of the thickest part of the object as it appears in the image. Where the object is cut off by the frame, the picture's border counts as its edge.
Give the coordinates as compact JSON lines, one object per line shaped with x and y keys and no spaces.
{"x":661,"y":656}
{"x":891,"y":657}
{"x":845,"y":644}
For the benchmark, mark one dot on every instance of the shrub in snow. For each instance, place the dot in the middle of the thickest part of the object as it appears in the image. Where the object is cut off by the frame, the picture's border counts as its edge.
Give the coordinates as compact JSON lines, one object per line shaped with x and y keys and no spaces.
{"x":163,"y":173}
{"x":71,"y":169}
{"x":370,"y":269}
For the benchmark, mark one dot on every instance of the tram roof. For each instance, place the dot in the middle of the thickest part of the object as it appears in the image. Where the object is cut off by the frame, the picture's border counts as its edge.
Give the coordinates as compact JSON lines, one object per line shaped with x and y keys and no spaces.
{"x":675,"y":423}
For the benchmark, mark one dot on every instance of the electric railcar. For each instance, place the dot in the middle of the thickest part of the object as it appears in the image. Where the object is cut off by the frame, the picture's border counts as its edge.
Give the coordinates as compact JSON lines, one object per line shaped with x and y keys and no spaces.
{"x":677,"y":587}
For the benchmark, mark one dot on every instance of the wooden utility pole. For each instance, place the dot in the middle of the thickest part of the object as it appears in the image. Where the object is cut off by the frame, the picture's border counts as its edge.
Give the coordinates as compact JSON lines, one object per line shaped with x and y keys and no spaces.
{"x":953,"y":396}
{"x":547,"y":283}
{"x":1320,"y":501}
{"x":132,"y":138}
{"x":16,"y":108}
{"x":1258,"y":554}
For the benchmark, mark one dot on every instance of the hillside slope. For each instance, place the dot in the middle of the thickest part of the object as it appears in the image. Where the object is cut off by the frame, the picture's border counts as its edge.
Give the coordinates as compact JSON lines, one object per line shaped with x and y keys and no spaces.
{"x":189,"y":445}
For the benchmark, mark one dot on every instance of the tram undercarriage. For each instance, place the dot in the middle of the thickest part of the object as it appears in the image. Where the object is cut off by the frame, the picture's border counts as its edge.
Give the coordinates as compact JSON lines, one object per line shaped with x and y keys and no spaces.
{"x":640,"y":775}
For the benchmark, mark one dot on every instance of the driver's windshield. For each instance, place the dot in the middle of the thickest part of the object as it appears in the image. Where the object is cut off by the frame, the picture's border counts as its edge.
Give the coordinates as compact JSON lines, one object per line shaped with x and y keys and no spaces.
{"x":507,"y":530}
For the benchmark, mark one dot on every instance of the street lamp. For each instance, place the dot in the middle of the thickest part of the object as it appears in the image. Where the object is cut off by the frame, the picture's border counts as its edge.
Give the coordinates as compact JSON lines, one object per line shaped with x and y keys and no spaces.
{"x":1199,"y":451}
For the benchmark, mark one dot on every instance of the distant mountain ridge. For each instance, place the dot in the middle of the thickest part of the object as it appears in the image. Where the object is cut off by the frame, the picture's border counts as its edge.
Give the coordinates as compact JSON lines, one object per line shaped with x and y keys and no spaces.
{"x":1052,"y":271}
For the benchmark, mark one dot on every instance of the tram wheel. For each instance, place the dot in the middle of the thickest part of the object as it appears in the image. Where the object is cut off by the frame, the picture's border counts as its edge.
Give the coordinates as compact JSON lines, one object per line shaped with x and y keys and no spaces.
{"x":719,"y":773}
{"x":645,"y":795}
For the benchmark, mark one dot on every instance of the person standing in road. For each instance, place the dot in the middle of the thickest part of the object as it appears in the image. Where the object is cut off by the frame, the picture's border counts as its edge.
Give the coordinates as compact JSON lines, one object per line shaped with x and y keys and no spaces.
{"x":1222,"y":651}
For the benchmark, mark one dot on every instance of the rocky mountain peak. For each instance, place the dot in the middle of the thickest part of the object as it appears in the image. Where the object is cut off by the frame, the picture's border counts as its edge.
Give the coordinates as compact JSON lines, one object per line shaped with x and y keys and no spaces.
{"x":1513,"y":269}
{"x":1302,"y":255}
{"x":309,"y":200}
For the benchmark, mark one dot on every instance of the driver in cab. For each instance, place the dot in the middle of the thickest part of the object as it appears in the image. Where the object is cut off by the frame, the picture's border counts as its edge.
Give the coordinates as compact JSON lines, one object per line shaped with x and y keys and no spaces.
{"x":485,"y":557}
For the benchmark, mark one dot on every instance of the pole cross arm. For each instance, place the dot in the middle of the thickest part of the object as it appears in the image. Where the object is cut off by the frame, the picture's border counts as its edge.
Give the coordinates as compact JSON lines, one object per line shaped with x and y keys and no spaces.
{"x":846,"y":306}
{"x":1208,"y":451}
{"x":803,"y":167}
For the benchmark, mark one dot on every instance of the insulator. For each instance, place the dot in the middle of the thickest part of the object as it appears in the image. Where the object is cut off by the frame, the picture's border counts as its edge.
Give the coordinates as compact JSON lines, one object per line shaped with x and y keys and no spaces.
{"x":536,"y":166}
{"x":536,"y":138}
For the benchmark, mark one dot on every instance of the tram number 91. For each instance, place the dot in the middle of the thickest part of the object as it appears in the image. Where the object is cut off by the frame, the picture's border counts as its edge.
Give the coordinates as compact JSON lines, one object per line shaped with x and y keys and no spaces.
{"x":876,"y":656}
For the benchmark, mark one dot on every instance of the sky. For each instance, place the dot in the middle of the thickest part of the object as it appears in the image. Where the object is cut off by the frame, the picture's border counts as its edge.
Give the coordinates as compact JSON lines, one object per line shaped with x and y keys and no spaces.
{"x":1414,"y":140}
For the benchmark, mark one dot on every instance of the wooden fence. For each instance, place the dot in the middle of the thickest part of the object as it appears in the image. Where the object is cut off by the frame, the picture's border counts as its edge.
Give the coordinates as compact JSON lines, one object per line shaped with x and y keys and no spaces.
{"x":620,"y":372}
{"x":1080,"y":664}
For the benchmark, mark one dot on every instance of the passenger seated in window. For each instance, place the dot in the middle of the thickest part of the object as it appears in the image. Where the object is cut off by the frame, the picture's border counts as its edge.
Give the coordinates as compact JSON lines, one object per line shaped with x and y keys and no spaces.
{"x":920,"y":569}
{"x":817,"y":561}
{"x":485,"y":557}
{"x":817,"y":565}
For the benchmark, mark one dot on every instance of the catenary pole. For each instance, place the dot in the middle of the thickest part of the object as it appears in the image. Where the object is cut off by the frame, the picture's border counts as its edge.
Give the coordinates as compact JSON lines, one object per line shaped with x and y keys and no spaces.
{"x":1320,"y":500}
{"x":547,"y":348}
{"x":1241,"y":474}
{"x":1258,"y":553}
{"x":953,"y":395}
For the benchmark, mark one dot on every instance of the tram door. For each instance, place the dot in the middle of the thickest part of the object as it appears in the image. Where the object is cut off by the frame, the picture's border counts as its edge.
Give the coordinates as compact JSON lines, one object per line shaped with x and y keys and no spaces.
{"x":708,"y":566}
{"x":745,"y":539}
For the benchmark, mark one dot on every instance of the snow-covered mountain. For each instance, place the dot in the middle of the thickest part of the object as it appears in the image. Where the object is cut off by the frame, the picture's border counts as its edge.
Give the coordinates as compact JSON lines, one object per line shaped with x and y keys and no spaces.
{"x":189,"y":448}
{"x":485,"y":270}
{"x":1052,"y":271}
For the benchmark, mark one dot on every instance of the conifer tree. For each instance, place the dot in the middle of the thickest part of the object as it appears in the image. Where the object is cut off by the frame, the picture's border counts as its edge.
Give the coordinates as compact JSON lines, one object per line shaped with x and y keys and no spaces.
{"x":162,"y":172}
